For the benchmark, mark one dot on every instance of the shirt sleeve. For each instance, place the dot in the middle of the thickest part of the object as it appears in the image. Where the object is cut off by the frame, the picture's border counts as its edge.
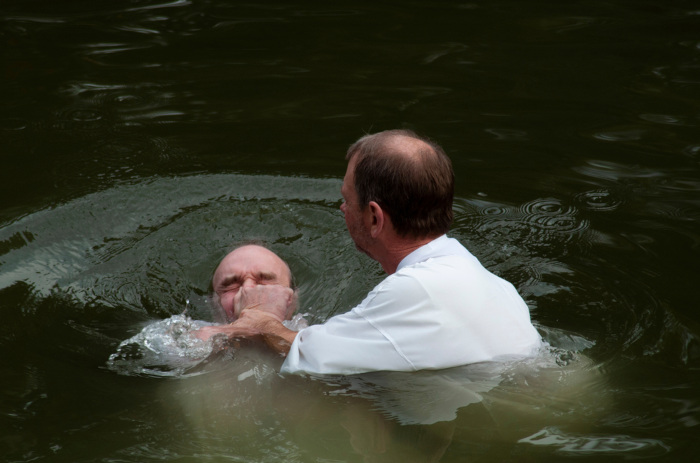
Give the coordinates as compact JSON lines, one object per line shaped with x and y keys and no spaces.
{"x":345,"y":344}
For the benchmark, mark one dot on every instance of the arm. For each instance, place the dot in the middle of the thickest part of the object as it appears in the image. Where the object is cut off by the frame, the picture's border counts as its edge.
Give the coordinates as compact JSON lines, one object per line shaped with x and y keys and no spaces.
{"x":277,"y":336}
{"x":230,"y":330}
{"x":254,"y":322}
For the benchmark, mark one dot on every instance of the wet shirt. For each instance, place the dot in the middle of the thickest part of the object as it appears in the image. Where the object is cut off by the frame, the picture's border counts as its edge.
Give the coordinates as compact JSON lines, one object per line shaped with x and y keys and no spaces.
{"x":440,"y":309}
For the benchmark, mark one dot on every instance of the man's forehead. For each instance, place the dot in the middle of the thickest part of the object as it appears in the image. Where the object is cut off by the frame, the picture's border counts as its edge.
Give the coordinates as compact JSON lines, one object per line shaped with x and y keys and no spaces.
{"x":251,"y":254}
{"x":349,"y":175}
{"x":251,"y":259}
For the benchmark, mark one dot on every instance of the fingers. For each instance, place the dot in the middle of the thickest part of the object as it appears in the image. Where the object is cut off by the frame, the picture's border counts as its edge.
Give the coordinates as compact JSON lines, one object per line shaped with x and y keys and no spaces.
{"x":253,"y":318}
{"x":273,"y":299}
{"x":261,"y":293}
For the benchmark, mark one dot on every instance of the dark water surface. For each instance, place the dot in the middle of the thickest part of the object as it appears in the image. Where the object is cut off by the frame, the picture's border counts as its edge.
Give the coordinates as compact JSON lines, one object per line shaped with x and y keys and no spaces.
{"x":139,"y":139}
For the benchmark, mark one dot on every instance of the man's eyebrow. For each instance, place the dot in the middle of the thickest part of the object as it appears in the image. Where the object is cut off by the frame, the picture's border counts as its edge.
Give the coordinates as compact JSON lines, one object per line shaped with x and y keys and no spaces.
{"x":230,"y":279}
{"x":235,"y":278}
{"x":266,"y":276}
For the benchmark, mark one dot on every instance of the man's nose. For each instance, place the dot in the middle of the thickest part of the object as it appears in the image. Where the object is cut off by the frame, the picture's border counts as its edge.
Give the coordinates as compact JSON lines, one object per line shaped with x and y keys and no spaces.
{"x":249,"y":283}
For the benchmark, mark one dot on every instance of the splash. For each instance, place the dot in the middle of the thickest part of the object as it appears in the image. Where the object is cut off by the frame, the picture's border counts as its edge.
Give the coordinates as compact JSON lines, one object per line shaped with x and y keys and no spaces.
{"x":170,"y":348}
{"x":163,"y":348}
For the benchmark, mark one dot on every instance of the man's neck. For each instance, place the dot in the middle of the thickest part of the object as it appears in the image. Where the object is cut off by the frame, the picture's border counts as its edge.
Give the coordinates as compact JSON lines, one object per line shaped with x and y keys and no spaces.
{"x":397,"y":249}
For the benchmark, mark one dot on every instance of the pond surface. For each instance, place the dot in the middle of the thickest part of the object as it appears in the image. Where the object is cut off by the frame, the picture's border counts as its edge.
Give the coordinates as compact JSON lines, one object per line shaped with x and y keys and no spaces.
{"x":139,"y":139}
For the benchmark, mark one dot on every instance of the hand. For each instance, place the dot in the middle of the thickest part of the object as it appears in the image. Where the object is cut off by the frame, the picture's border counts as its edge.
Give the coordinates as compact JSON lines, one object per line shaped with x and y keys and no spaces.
{"x":275,"y":334}
{"x":255,"y":320}
{"x":276,"y":300}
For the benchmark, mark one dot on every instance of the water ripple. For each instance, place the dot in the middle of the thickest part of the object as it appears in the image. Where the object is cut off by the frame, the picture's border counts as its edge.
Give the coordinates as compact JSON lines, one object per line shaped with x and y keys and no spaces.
{"x":601,"y":200}
{"x":119,"y":98}
{"x":13,"y":124}
{"x":507,"y":134}
{"x":692,"y":150}
{"x":601,"y":169}
{"x":546,"y":224}
{"x":175,"y":3}
{"x":630,"y":134}
{"x":572,"y":444}
{"x":662,"y":119}
{"x":551,"y":216}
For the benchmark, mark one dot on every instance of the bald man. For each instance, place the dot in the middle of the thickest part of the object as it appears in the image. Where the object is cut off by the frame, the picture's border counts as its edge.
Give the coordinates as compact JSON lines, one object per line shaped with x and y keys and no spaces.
{"x":244,"y":268}
{"x":437,"y":308}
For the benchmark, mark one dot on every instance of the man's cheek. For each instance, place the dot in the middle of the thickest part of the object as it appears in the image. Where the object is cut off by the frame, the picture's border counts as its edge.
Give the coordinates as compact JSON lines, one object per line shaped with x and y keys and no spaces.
{"x":227,"y":305}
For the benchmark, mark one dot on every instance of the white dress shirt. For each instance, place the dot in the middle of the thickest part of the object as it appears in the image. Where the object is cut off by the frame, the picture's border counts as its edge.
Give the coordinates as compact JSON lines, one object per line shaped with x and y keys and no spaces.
{"x":440,"y":309}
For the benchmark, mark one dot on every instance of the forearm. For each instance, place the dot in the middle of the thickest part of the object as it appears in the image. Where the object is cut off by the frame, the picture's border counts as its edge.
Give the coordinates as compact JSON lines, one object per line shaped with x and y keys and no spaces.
{"x":259,"y":323}
{"x":278,"y":337}
{"x":230,"y":330}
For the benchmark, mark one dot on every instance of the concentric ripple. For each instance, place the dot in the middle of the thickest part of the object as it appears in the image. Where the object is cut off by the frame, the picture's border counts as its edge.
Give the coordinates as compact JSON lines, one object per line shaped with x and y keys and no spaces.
{"x":549,"y":216}
{"x":598,"y":200}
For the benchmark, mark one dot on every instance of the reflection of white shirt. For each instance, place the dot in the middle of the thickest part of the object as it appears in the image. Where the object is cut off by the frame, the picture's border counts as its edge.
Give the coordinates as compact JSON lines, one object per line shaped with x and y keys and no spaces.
{"x":440,"y":309}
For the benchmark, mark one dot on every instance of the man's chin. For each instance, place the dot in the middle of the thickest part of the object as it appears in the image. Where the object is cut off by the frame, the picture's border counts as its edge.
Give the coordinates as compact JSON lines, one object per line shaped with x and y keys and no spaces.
{"x":360,"y":248}
{"x":363,"y":251}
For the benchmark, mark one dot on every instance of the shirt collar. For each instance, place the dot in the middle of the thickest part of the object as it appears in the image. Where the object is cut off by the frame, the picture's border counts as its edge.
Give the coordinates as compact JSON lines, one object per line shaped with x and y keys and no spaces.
{"x":425,"y":252}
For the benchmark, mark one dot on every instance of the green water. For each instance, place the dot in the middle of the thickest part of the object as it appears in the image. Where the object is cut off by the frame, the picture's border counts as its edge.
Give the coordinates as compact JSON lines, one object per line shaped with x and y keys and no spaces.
{"x":139,"y":139}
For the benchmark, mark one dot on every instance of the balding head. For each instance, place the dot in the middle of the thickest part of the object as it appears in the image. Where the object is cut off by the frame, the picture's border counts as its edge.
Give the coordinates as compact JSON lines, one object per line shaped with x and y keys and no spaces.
{"x":245,"y":266}
{"x":410,"y":177}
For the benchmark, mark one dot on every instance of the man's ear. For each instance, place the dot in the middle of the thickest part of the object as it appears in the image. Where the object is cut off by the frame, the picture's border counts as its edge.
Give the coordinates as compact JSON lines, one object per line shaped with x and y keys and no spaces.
{"x":377,"y":217}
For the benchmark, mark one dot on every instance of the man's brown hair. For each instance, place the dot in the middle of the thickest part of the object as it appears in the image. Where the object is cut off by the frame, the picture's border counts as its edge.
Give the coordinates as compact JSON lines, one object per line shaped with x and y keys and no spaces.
{"x":415,"y":185}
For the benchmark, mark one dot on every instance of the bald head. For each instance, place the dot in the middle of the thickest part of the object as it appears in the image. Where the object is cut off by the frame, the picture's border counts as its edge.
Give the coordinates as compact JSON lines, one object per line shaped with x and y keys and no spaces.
{"x":243,"y":267}
{"x":399,"y":144}
{"x":410,"y":177}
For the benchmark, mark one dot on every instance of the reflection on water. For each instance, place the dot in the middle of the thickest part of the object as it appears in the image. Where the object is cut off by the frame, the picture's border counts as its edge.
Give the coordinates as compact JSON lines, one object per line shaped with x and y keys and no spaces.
{"x":584,"y":445}
{"x":386,"y":416}
{"x":428,"y":397}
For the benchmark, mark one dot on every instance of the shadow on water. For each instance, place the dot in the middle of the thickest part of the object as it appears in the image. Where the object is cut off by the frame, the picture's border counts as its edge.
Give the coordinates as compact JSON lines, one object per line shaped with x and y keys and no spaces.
{"x":80,"y":278}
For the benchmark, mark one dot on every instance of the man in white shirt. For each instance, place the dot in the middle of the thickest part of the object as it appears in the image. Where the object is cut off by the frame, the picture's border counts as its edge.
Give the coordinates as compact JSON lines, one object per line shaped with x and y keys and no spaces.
{"x":438,"y":308}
